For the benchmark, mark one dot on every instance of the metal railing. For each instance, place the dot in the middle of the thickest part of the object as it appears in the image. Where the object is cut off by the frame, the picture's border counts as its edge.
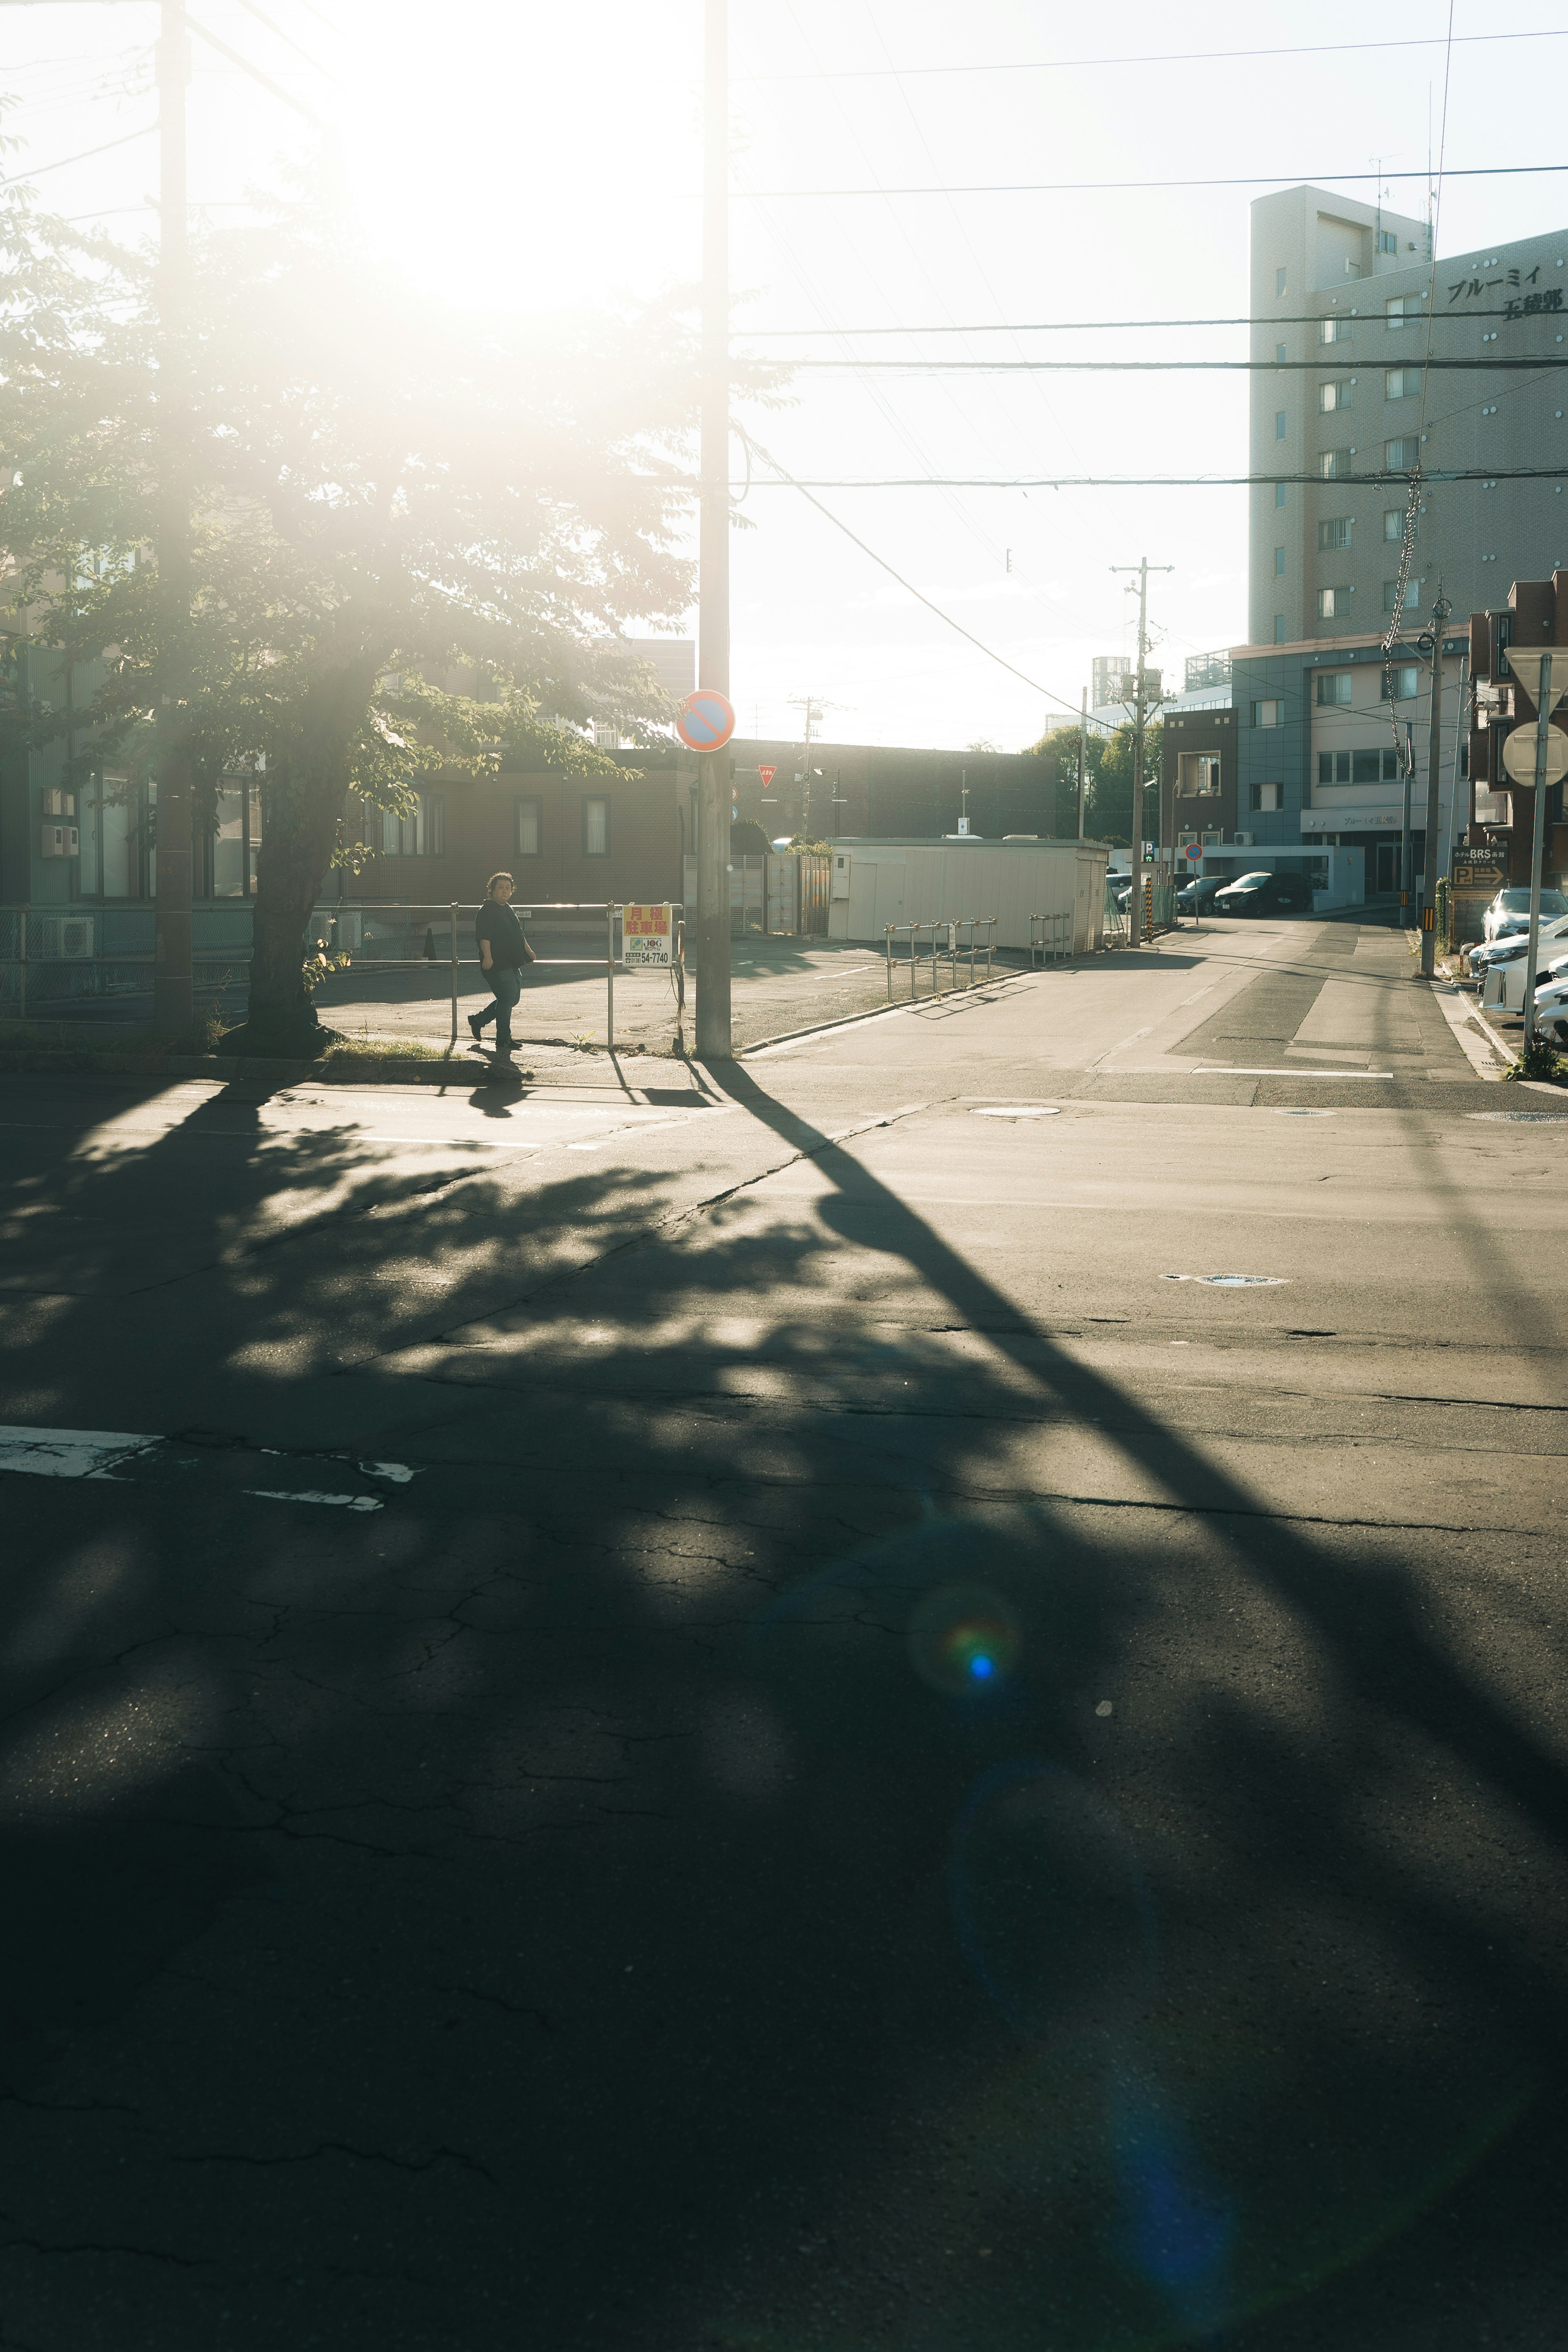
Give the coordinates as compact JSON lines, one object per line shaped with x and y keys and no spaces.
{"x":943,"y":938}
{"x":328,"y":925}
{"x":1049,"y":940}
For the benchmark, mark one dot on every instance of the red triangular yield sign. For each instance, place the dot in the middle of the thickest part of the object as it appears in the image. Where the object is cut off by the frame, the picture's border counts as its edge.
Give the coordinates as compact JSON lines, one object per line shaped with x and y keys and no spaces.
{"x":767,"y":775}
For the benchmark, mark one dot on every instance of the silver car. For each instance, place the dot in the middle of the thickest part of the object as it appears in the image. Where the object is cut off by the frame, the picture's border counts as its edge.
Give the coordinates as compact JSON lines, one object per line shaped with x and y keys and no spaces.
{"x":1510,"y":912}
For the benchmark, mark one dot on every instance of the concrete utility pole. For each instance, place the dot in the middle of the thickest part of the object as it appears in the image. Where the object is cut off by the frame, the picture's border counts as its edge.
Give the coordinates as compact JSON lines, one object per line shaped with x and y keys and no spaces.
{"x":1140,"y":714}
{"x":1082,"y":746}
{"x":1406,"y":878}
{"x":172,"y":999}
{"x":713,"y":1018}
{"x":1538,"y":843}
{"x":1432,"y":857}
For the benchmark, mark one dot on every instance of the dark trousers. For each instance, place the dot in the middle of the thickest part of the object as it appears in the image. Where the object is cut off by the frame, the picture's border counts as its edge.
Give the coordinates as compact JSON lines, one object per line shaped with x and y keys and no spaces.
{"x":505,"y":987}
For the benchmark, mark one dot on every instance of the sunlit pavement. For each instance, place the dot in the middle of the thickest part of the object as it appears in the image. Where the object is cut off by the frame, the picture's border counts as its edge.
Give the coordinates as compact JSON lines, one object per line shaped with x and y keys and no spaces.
{"x":906,"y":1694}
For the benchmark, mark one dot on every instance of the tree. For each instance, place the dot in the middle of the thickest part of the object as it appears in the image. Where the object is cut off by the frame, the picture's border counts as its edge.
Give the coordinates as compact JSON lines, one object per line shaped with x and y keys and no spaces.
{"x":376,"y":500}
{"x":1111,"y":800}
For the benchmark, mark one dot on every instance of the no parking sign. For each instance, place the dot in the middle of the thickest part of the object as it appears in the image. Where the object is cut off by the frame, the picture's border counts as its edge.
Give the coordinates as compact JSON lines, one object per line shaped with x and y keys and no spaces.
{"x":706,"y":720}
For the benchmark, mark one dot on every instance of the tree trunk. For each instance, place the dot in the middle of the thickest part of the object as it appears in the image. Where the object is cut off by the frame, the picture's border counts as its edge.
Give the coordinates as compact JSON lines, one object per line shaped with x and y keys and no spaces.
{"x":303,"y":798}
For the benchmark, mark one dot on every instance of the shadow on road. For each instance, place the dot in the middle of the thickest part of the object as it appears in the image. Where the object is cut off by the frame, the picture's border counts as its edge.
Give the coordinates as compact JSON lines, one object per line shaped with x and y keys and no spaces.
{"x":716,"y":1860}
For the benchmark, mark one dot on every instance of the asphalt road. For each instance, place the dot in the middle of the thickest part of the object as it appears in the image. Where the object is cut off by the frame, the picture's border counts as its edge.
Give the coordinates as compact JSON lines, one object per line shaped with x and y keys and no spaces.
{"x":906,"y":1695}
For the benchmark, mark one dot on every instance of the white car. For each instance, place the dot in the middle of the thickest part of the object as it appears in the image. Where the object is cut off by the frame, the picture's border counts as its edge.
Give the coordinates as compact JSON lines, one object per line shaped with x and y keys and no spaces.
{"x":1509,"y":947}
{"x":1551,"y":1009}
{"x":1510,"y":912}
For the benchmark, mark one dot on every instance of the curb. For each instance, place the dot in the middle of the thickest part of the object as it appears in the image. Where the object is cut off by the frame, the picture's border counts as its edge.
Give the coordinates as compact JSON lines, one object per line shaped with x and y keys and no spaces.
{"x":375,"y":1070}
{"x":877,"y":1012}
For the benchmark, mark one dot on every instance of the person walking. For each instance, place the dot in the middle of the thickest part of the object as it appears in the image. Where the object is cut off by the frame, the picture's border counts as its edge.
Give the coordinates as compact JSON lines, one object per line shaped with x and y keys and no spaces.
{"x":503,"y":952}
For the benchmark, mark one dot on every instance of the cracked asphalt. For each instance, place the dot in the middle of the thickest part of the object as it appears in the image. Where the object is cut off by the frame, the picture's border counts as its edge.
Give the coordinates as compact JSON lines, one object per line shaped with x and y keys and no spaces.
{"x":744,"y":1708}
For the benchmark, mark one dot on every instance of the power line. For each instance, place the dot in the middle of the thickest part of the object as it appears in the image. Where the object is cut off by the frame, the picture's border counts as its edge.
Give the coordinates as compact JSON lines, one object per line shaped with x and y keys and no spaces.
{"x":788,"y":481}
{"x":1159,"y":57}
{"x":1145,"y":367}
{"x":1374,"y":478}
{"x":1092,"y":187}
{"x":1098,"y":326}
{"x":38,"y":171}
{"x":255,"y":72}
{"x":263,"y":18}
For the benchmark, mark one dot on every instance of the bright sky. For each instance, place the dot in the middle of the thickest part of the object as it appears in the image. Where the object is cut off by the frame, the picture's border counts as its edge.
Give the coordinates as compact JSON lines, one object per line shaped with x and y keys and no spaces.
{"x":537,"y":157}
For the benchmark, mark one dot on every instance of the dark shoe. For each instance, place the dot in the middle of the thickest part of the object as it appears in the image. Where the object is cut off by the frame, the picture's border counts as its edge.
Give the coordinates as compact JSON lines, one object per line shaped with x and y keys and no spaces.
{"x":477,"y":1025}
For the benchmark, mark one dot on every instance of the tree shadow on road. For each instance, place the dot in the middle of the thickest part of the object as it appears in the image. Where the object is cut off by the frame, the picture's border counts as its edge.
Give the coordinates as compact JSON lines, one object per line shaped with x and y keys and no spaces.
{"x":733,"y":1852}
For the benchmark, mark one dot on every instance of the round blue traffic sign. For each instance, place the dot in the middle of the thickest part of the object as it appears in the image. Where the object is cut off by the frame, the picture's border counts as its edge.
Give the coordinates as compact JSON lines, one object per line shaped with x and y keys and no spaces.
{"x":706,"y":720}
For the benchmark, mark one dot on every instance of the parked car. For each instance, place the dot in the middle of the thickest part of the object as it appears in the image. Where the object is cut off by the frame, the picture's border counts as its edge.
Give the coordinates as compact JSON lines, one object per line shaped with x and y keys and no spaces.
{"x":1197,"y":896}
{"x":1551,"y":1009}
{"x":1264,"y":894}
{"x":1510,"y":912}
{"x":1509,"y":948}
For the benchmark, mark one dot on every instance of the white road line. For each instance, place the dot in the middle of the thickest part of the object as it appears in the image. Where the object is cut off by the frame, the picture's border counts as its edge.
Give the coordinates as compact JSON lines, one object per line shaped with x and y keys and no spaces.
{"x":69,"y":1453}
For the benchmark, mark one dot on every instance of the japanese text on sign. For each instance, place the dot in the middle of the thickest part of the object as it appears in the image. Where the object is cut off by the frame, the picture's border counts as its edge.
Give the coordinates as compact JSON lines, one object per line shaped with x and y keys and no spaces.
{"x":647,"y":938}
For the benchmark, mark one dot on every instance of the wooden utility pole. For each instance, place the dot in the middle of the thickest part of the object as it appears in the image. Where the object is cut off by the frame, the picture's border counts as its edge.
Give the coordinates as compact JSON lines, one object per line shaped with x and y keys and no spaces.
{"x":172,"y":997}
{"x":713,"y":1014}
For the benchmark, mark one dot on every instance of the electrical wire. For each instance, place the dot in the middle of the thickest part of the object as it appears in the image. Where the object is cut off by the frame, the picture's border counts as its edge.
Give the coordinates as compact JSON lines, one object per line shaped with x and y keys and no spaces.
{"x":1098,"y":326}
{"x":1103,"y":187}
{"x":1151,"y":367}
{"x":787,"y":480}
{"x":255,"y":72}
{"x":1159,"y":57}
{"x":1374,"y":478}
{"x":37,"y":171}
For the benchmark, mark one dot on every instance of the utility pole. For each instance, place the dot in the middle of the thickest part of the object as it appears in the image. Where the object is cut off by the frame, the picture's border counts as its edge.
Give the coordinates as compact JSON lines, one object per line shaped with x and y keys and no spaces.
{"x":1140,"y":714}
{"x":1431,"y":859}
{"x":1406,"y":878}
{"x":1544,"y":707}
{"x":172,"y":1001}
{"x":1082,"y":747}
{"x":713,"y":1020}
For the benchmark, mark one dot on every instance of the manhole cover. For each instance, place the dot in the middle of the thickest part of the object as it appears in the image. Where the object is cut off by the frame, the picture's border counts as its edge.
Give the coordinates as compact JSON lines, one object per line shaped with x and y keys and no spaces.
{"x":1233,"y":1281}
{"x":1017,"y":1110}
{"x":1525,"y":1117}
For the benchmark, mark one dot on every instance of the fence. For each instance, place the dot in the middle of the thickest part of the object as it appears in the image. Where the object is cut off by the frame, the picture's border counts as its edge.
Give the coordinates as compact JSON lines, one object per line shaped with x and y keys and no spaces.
{"x":1049,"y":940}
{"x":1159,"y":912}
{"x":777,"y":896}
{"x":942,"y":936}
{"x":63,"y":958}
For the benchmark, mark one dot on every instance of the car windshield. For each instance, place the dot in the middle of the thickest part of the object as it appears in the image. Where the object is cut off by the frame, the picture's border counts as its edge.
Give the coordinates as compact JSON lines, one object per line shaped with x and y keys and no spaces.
{"x":1517,"y":902}
{"x":1248,"y":881}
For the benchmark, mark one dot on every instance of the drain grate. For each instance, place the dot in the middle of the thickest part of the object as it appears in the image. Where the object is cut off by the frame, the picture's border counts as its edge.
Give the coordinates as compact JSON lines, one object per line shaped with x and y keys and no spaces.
{"x":1233,"y":1281}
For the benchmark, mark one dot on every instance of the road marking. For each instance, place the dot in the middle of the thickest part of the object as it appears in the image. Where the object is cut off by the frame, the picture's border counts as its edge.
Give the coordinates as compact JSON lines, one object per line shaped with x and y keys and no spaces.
{"x":345,"y":1502}
{"x":1236,"y":1070}
{"x":69,"y":1453}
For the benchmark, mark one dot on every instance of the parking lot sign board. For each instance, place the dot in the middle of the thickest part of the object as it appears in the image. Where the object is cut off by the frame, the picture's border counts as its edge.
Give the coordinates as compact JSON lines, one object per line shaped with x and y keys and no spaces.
{"x":647,"y":938}
{"x":1478,"y":875}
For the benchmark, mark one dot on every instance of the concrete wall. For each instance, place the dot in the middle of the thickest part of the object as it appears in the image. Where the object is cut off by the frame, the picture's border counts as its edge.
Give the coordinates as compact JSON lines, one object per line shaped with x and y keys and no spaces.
{"x":904,"y":882}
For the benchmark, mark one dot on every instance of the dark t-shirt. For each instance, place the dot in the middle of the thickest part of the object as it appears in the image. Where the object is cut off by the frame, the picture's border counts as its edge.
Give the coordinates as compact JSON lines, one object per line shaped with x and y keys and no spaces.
{"x":497,"y":923}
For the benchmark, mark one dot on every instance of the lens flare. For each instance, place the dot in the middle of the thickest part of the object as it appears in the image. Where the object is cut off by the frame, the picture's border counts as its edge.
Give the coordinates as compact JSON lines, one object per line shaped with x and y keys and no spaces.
{"x":964,"y":1638}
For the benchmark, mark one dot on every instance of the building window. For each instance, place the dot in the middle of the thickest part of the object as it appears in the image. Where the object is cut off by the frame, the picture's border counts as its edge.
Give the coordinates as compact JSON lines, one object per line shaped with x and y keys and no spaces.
{"x":1279,"y":563}
{"x":1280,"y":353}
{"x":1400,"y":383}
{"x":1401,"y":681}
{"x":1334,"y":531}
{"x":1279,"y":494}
{"x":530,"y":827}
{"x":1197,"y":774}
{"x":1402,"y":455}
{"x":1278,"y":281}
{"x":1334,"y":686}
{"x":1334,"y":395}
{"x":596,"y":826}
{"x":421,"y":834}
{"x":1378,"y":767}
{"x":1267,"y":714}
{"x":1333,"y":603}
{"x":1333,"y":767}
{"x":1391,"y":602}
{"x":1335,"y":464}
{"x":1279,"y":424}
{"x":1279,"y":628}
{"x":1267,"y":796}
{"x":1401,"y":310}
{"x":1333,"y":330}
{"x":114,"y":851}
{"x":1387,"y":240}
{"x":1393,"y":522}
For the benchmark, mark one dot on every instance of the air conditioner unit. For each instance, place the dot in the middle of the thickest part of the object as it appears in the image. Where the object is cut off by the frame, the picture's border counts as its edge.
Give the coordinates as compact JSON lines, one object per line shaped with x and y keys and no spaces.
{"x":59,"y":841}
{"x":1242,"y":840}
{"x":58,"y":938}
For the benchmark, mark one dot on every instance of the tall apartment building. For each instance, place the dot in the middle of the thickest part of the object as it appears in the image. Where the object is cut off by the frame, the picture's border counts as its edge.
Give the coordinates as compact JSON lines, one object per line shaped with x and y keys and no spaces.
{"x":1344,"y":288}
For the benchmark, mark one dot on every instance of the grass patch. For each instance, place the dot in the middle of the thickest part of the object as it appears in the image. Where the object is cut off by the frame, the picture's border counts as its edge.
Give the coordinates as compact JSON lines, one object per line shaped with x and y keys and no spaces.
{"x":382,"y":1049}
{"x":1540,"y":1061}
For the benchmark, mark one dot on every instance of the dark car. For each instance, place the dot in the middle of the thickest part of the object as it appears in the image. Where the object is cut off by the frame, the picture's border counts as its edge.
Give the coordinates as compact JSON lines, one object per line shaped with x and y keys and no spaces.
{"x":1197,"y":896}
{"x":1265,"y":894}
